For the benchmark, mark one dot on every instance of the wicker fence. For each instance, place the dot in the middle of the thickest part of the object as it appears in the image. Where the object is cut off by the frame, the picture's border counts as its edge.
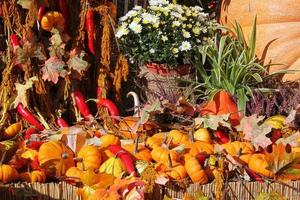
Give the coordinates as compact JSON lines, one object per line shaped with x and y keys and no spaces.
{"x":233,"y":191}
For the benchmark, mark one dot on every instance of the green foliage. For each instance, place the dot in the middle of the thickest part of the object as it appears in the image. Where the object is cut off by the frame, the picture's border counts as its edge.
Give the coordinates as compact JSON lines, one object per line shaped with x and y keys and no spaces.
{"x":233,"y":67}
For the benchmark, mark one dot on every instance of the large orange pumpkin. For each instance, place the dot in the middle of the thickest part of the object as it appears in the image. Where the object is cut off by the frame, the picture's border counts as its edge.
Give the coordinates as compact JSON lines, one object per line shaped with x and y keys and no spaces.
{"x":55,"y":157}
{"x":278,"y":29}
{"x":89,"y":157}
{"x":177,"y":137}
{"x":197,"y":147}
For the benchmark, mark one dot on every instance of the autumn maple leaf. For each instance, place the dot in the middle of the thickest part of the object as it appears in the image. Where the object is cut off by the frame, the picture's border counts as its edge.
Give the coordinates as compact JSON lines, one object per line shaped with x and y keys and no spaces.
{"x":21,"y":91}
{"x":283,"y":162}
{"x":53,"y":69}
{"x":77,"y":62}
{"x":254,"y":132}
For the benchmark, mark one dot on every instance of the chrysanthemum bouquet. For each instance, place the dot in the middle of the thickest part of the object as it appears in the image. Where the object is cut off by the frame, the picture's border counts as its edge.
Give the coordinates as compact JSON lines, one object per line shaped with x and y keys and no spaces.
{"x":164,"y":32}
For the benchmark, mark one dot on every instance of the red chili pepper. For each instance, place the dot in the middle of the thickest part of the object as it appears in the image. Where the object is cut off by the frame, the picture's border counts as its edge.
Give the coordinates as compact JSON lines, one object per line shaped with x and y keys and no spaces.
{"x":35,"y":165}
{"x":35,"y":144}
{"x":112,"y":108}
{"x":125,"y":156}
{"x":90,"y":29}
{"x":222,"y":137}
{"x":63,"y":7}
{"x":82,"y":106}
{"x":276,"y":135}
{"x":15,"y":43}
{"x":62,"y":123}
{"x":41,"y":13}
{"x":29,"y":117}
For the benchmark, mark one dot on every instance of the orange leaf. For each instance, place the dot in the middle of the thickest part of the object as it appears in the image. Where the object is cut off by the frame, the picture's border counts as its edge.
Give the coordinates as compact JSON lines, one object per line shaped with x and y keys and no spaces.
{"x":283,"y":162}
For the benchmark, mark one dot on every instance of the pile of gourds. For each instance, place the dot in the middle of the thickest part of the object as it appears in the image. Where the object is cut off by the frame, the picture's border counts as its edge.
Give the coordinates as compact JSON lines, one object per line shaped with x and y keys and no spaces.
{"x":176,"y":155}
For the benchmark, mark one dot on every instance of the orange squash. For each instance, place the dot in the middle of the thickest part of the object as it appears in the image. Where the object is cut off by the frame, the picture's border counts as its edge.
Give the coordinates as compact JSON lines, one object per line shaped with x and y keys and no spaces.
{"x":33,"y":177}
{"x":90,"y":157}
{"x":278,"y":29}
{"x":197,"y":147}
{"x":177,"y":137}
{"x":243,"y":150}
{"x":258,"y":164}
{"x":12,"y":130}
{"x":155,"y":140}
{"x":195,"y":171}
{"x":55,"y":157}
{"x":128,"y":123}
{"x":74,"y":172}
{"x":53,"y":19}
{"x":222,"y":103}
{"x":177,"y":172}
{"x":8,"y":174}
{"x":109,"y":139}
{"x":141,"y":153}
{"x":161,"y":154}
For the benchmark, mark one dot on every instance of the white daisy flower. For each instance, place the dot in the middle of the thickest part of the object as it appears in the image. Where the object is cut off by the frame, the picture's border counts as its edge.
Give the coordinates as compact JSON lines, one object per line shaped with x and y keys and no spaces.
{"x":158,"y":2}
{"x":175,"y":50}
{"x":152,"y":51}
{"x":185,"y":46}
{"x":186,"y":34}
{"x":132,"y":13}
{"x":164,"y":38}
{"x":137,"y":8}
{"x":121,"y":32}
{"x":176,"y":23}
{"x":135,"y":27}
{"x":196,"y":30}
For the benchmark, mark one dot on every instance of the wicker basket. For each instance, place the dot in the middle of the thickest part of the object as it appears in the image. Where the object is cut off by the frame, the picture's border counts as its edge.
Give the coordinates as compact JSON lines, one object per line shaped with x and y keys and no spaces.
{"x":233,"y":190}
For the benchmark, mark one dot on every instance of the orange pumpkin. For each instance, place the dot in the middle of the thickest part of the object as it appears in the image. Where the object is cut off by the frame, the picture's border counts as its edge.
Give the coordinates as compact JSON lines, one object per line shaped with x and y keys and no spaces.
{"x":222,"y":103}
{"x":197,"y":147}
{"x":53,"y":19}
{"x":155,"y":140}
{"x":33,"y":177}
{"x":161,"y":154}
{"x":177,"y":137}
{"x":141,"y":153}
{"x":243,"y":150}
{"x":12,"y":130}
{"x":128,"y":123}
{"x":55,"y":157}
{"x":109,"y":139}
{"x":74,"y":172}
{"x":90,"y":157}
{"x":8,"y":174}
{"x":195,"y":171}
{"x":177,"y":172}
{"x":258,"y":164}
{"x":278,"y":29}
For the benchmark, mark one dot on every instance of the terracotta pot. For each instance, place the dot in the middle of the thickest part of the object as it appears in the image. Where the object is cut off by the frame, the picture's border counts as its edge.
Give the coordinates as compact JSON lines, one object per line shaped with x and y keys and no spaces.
{"x":162,"y":69}
{"x":278,"y":29}
{"x":221,"y":104}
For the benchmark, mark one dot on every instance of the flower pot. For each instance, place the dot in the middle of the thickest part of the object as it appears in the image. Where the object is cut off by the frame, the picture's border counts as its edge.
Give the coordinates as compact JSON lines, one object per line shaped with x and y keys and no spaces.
{"x":278,"y":29}
{"x":159,"y":80}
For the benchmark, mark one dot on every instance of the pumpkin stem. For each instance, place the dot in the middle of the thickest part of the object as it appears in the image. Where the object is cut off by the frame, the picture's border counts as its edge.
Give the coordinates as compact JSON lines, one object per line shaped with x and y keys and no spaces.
{"x":191,"y":135}
{"x":169,"y":143}
{"x":136,"y":147}
{"x":170,"y":161}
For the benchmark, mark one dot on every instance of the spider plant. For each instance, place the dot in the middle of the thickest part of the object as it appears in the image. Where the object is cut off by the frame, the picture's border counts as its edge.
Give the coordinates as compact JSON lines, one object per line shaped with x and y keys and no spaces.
{"x":231,"y":64}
